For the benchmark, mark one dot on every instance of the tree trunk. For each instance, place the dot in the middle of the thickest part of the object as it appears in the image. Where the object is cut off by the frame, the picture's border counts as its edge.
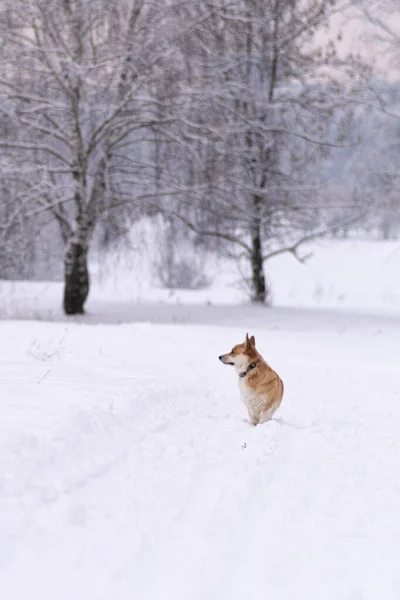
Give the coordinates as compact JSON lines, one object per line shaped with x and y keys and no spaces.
{"x":76,"y":284}
{"x":258,"y":285}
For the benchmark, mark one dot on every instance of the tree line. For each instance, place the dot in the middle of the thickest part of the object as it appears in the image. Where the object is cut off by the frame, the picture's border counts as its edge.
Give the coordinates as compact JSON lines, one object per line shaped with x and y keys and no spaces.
{"x":224,"y":116}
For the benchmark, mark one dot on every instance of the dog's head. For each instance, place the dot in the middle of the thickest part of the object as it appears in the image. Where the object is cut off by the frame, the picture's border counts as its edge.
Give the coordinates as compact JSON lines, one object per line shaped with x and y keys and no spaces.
{"x":241,"y":355}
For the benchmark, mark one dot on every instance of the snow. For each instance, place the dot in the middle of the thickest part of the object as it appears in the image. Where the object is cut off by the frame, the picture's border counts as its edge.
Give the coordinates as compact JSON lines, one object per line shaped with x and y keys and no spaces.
{"x":126,"y":470}
{"x":350,"y":275}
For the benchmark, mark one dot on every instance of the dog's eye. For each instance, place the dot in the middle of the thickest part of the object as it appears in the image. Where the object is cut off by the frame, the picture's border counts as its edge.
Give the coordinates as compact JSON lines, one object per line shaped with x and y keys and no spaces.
{"x":233,"y":352}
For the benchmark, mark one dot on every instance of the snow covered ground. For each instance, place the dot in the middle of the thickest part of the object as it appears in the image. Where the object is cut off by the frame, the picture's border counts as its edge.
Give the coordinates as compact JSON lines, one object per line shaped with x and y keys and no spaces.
{"x":346,"y":274}
{"x":126,"y":471}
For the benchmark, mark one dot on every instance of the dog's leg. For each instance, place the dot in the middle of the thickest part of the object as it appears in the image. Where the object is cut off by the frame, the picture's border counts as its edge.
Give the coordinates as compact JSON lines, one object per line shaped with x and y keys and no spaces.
{"x":267,"y":414}
{"x":254,"y":419}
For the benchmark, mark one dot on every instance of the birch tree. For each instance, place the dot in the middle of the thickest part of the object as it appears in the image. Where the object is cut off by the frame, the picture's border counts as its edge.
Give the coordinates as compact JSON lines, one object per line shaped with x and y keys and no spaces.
{"x":76,"y":77}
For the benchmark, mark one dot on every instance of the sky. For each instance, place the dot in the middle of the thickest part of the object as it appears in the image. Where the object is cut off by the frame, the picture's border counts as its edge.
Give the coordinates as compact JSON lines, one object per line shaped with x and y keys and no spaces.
{"x":360,"y":36}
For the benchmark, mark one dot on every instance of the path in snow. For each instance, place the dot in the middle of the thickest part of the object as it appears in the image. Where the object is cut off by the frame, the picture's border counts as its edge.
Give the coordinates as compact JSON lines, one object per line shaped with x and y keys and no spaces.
{"x":126,"y":470}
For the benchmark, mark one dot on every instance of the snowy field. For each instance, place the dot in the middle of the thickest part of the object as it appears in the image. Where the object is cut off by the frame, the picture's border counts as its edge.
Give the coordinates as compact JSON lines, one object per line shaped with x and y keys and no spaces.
{"x":127,"y":472}
{"x":347,"y":275}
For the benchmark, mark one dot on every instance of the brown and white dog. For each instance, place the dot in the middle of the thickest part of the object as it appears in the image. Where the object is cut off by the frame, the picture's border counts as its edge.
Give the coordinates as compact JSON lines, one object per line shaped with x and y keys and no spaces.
{"x":260,"y":387}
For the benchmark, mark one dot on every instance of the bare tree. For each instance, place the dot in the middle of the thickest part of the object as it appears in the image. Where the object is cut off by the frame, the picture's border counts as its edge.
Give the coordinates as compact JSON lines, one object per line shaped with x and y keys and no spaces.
{"x":379,"y":93}
{"x":259,"y":120}
{"x":383,"y":15}
{"x":16,"y":237}
{"x":77,"y":78}
{"x":218,"y":113}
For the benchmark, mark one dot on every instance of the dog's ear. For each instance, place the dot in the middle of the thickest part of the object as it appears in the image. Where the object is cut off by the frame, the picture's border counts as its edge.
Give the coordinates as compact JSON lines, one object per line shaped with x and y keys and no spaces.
{"x":250,"y":341}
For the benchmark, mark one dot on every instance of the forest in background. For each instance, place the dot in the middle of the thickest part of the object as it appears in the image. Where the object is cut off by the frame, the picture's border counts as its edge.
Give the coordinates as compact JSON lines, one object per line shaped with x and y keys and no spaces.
{"x":244,"y":125}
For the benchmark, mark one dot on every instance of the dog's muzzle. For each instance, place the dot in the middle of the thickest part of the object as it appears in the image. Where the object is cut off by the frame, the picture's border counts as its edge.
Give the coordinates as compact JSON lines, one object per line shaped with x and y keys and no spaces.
{"x":221,"y":358}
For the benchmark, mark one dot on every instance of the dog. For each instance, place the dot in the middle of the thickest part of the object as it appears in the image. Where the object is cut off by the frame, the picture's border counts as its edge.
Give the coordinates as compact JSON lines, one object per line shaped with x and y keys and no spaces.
{"x":260,"y":387}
